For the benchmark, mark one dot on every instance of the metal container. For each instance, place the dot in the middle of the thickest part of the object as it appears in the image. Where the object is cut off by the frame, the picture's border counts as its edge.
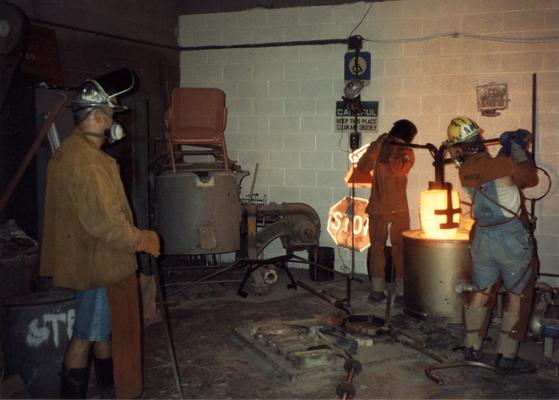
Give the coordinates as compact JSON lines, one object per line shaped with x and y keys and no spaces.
{"x":198,"y":212}
{"x":432,"y":269}
{"x":38,"y":329}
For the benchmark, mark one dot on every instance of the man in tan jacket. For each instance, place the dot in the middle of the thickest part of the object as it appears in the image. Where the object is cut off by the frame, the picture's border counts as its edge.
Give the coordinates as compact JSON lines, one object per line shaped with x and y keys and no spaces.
{"x":388,"y":211}
{"x":89,"y":244}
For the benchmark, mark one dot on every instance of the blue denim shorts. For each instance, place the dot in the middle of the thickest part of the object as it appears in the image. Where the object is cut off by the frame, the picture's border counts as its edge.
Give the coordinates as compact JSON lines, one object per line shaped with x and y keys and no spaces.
{"x":93,"y":316}
{"x":501,"y":251}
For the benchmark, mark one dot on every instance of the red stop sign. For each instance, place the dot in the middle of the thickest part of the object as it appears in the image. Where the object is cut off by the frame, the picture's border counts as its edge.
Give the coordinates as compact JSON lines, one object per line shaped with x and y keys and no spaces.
{"x":340,"y":226}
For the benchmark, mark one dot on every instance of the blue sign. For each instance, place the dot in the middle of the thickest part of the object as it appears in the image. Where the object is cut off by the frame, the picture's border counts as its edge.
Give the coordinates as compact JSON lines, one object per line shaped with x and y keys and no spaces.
{"x":359,"y":68}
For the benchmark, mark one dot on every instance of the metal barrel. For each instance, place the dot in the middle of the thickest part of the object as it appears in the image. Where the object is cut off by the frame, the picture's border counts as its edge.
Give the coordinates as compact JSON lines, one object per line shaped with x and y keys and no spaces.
{"x":38,"y":329}
{"x":432,"y":268}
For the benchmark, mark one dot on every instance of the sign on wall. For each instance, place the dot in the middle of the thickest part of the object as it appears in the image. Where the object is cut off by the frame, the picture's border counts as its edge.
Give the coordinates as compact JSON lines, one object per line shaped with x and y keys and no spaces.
{"x":357,"y":67}
{"x":367,"y":120}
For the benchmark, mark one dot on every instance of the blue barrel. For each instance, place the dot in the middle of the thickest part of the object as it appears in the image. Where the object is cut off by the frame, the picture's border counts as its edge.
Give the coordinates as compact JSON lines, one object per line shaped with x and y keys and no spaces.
{"x":38,"y":329}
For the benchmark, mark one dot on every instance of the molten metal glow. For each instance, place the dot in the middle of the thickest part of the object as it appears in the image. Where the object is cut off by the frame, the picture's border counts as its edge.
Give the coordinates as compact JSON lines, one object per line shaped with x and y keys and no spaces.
{"x":436,"y":199}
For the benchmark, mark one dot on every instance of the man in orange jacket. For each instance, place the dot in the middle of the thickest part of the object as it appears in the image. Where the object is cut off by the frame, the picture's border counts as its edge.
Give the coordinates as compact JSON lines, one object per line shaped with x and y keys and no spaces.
{"x":388,"y":211}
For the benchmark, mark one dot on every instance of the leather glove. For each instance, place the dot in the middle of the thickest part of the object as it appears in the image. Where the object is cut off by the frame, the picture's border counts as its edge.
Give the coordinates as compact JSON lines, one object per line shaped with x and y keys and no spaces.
{"x":149,"y":243}
{"x":521,"y":137}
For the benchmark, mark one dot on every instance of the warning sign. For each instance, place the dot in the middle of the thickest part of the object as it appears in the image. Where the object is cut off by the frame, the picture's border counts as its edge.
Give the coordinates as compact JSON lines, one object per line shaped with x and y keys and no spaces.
{"x":367,"y":120}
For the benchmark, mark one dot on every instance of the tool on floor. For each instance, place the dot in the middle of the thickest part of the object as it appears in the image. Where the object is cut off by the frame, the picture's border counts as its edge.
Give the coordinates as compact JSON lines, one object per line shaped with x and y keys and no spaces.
{"x":345,"y":390}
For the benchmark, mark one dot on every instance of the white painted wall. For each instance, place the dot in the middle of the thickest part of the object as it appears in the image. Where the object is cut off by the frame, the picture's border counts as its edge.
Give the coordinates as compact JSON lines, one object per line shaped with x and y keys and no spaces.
{"x":281,"y":100}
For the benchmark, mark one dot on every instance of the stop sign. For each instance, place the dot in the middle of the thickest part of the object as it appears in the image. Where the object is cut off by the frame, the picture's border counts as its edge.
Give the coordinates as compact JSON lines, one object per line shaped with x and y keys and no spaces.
{"x":340,"y":226}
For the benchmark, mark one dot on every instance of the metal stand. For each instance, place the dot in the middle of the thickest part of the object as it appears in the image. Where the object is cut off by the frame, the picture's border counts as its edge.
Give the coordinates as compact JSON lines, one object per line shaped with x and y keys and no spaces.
{"x":164,"y":314}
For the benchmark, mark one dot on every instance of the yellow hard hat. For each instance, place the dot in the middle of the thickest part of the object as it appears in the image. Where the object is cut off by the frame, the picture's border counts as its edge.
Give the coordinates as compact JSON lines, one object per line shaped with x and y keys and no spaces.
{"x":462,"y":129}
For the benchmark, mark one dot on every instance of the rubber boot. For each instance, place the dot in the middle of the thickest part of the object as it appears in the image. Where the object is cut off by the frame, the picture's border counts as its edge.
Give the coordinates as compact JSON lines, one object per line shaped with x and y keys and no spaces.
{"x":73,"y":383}
{"x":473,"y":323}
{"x":104,"y":377}
{"x":507,"y":348}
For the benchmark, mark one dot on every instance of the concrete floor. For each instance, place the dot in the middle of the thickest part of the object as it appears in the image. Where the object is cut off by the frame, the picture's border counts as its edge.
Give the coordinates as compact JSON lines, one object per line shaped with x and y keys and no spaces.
{"x":213,"y":366}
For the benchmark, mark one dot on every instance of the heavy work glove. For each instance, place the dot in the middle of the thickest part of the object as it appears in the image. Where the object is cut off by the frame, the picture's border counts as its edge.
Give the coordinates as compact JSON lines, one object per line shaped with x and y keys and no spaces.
{"x":149,"y":243}
{"x":521,"y":137}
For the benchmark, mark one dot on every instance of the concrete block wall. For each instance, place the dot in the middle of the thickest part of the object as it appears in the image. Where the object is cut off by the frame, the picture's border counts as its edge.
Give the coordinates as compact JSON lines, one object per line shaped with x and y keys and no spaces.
{"x":282,"y":99}
{"x":85,"y":55}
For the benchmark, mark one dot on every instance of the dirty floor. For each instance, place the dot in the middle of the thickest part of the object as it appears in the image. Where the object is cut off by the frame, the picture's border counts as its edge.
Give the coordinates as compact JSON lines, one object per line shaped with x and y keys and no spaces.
{"x":213,"y":365}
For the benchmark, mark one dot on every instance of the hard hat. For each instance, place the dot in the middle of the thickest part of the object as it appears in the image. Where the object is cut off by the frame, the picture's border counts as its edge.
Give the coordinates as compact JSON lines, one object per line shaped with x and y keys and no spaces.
{"x":462,"y":129}
{"x":103,"y":91}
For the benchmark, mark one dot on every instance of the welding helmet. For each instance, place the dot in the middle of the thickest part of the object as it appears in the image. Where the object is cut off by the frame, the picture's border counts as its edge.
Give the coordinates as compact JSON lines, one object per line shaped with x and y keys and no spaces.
{"x":461,"y":130}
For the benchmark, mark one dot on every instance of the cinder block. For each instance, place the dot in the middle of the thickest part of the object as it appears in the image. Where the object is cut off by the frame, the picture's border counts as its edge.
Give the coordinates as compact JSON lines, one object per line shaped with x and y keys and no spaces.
{"x":192,"y":58}
{"x":287,"y":54}
{"x":268,"y":142}
{"x":528,"y":62}
{"x":284,"y":125}
{"x":318,"y":124}
{"x":284,"y":16}
{"x":253,"y":18}
{"x":407,"y":105}
{"x":402,"y":29}
{"x":386,"y":10}
{"x":248,"y":159}
{"x":253,"y":89}
{"x":501,"y":5}
{"x":422,"y":8}
{"x":298,"y":142}
{"x":429,"y":84}
{"x":482,"y":23}
{"x":207,"y":38}
{"x":387,"y":50}
{"x":403,"y":66}
{"x":240,"y":107}
{"x":524,"y":20}
{"x":441,"y":65}
{"x":192,"y":23}
{"x":316,"y":196}
{"x":237,"y":72}
{"x":207,"y":73}
{"x":329,"y":178}
{"x":282,"y":194}
{"x":316,"y":160}
{"x":332,"y":142}
{"x":316,"y":15}
{"x":299,"y":177}
{"x":424,"y":48}
{"x":255,"y":125}
{"x":222,"y":20}
{"x":268,"y":72}
{"x":285,"y":159}
{"x":239,"y":141}
{"x":316,"y":89}
{"x":284,"y":89}
{"x":299,"y":33}
{"x":551,"y":61}
{"x":440,"y":104}
{"x":300,"y":106}
{"x":269,"y":176}
{"x":316,"y":54}
{"x":267,"y":35}
{"x":237,"y":36}
{"x":268,"y":107}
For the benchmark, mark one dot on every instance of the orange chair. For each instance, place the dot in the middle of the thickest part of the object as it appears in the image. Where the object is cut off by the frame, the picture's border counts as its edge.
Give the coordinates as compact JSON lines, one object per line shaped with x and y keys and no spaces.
{"x":197,"y":117}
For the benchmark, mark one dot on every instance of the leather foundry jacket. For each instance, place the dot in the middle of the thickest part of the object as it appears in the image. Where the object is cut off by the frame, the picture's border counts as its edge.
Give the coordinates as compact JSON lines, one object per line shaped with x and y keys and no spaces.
{"x":89,"y":239}
{"x":390,"y":165}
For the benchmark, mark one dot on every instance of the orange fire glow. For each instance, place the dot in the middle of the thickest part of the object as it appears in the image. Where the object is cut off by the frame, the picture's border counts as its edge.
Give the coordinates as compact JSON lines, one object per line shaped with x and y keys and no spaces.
{"x":436,"y":199}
